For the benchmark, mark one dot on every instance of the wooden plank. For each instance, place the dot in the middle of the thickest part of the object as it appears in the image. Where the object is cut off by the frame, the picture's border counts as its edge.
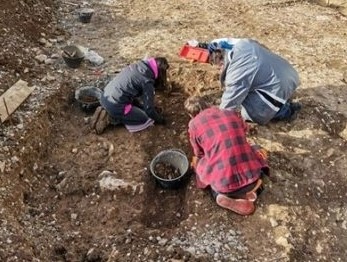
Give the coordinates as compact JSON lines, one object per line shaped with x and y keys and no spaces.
{"x":13,"y":98}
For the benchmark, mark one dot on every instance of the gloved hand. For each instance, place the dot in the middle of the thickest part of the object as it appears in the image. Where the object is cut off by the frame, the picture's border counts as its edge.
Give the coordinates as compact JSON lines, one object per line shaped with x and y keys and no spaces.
{"x":212,"y":47}
{"x":158,"y":109}
{"x":158,"y":118}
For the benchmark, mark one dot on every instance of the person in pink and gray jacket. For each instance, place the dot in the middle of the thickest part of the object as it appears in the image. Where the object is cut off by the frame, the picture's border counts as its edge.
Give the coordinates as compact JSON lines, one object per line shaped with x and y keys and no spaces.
{"x":129,"y":98}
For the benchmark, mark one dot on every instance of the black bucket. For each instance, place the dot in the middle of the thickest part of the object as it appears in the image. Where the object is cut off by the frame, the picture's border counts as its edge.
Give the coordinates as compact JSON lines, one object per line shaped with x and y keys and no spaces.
{"x":178,"y":160}
{"x":73,"y":56}
{"x":88,"y":97}
{"x":85,"y":15}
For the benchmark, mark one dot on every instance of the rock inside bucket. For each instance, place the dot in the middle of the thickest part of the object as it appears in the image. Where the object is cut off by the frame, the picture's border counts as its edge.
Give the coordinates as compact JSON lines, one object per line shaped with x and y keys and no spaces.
{"x":86,"y":14}
{"x":166,"y":171}
{"x":72,"y":55}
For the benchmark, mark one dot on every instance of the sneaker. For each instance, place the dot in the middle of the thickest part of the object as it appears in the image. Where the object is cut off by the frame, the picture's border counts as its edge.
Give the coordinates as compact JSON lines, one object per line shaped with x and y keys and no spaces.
{"x":95,"y":117}
{"x":102,"y":123}
{"x":242,"y":207}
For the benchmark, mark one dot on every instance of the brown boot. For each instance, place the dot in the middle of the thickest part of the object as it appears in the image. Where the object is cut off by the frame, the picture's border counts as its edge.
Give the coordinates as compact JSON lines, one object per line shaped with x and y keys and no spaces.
{"x":102,"y":122}
{"x":95,"y":117}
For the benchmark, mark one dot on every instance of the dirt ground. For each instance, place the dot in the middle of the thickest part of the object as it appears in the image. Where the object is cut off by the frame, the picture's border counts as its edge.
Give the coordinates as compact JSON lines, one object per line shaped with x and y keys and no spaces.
{"x":67,"y":194}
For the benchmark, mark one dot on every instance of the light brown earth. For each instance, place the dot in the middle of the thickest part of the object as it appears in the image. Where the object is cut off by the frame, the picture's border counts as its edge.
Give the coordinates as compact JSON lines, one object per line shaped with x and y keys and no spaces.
{"x":67,"y":194}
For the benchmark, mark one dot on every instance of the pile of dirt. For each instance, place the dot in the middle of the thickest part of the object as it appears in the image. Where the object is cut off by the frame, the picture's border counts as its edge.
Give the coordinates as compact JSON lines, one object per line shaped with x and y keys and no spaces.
{"x":24,"y":25}
{"x":166,"y":171}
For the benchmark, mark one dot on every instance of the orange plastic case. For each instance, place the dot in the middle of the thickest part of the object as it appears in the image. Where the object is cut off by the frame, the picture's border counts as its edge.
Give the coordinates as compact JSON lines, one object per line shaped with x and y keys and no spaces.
{"x":194,"y":53}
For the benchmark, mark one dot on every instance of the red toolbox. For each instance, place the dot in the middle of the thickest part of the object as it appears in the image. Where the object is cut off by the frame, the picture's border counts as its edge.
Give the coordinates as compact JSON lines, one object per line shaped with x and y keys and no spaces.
{"x":194,"y":53}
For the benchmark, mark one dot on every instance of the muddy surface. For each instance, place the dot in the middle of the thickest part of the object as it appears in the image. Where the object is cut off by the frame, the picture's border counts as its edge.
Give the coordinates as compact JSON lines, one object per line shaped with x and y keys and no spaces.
{"x":67,"y":194}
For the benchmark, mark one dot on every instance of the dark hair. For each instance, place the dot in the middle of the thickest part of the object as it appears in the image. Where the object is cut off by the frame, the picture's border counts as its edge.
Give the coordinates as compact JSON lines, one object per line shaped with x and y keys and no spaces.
{"x":163,"y":65}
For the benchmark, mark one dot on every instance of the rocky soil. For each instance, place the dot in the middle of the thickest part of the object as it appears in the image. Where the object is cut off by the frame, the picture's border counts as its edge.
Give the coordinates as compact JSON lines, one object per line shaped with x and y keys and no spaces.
{"x":67,"y":194}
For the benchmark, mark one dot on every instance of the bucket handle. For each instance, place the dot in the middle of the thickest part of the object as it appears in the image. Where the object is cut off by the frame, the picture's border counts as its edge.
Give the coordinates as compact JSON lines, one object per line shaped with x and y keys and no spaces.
{"x":178,"y":150}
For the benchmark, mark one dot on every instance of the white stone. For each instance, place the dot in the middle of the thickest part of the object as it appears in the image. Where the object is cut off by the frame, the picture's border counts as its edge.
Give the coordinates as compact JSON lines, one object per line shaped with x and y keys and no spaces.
{"x":41,"y":58}
{"x":273,"y":222}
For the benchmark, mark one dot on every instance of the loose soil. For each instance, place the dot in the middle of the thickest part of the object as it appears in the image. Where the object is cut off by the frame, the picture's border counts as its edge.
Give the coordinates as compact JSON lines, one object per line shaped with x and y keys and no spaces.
{"x":67,"y":194}
{"x":166,"y":171}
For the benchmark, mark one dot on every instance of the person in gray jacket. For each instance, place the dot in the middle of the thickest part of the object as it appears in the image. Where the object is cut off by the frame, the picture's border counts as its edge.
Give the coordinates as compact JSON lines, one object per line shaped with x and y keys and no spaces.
{"x":129,"y":98}
{"x":255,"y":80}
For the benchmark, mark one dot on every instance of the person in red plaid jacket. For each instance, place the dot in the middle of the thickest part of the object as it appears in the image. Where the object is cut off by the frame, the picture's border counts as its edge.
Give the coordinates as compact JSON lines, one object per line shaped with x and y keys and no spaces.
{"x":223,"y":159}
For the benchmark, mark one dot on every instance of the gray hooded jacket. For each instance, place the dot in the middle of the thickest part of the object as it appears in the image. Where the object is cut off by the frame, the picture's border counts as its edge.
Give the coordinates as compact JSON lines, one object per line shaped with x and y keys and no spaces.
{"x":134,"y":81}
{"x":251,"y":75}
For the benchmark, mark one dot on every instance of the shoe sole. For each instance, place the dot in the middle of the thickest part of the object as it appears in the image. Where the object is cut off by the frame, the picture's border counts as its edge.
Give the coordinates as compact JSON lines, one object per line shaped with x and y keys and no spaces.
{"x":239,"y":206}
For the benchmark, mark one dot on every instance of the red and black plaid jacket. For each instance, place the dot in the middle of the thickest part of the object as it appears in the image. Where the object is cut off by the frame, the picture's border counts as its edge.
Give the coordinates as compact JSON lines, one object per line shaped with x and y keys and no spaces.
{"x":227,"y":162}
